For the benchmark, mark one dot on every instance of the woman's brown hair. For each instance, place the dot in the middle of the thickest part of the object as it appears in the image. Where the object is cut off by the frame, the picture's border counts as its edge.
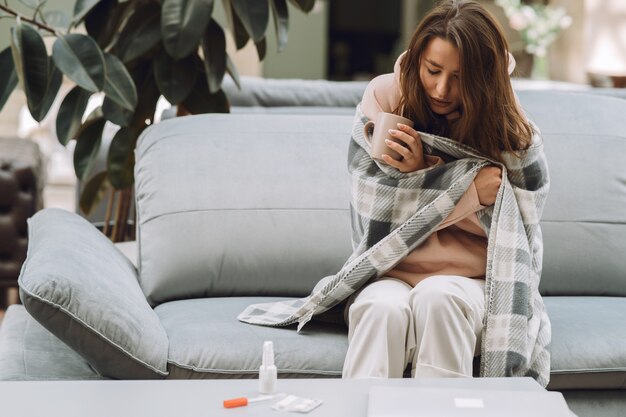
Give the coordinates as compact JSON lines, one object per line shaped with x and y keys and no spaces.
{"x":490,"y":121}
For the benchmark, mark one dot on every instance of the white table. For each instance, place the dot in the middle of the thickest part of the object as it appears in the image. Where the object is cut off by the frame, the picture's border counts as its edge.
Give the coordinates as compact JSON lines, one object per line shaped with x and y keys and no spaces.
{"x":182,"y":398}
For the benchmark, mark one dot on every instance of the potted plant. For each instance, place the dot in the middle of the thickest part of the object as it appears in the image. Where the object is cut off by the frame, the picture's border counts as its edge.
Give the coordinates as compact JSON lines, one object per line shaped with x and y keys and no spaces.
{"x":133,"y":52}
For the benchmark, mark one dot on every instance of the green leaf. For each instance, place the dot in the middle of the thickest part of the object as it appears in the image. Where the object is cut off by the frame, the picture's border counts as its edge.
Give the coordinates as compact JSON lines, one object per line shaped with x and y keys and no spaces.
{"x":237,"y":27}
{"x":53,"y":84}
{"x":141,"y":33}
{"x":57,"y":19}
{"x":304,"y":5}
{"x":71,"y":113}
{"x":81,"y":59}
{"x":254,"y":15}
{"x":201,"y":101}
{"x":87,"y":146}
{"x":214,"y":50}
{"x":38,"y":76}
{"x":31,"y":63}
{"x":144,"y":78}
{"x":33,"y":4}
{"x":121,"y":157}
{"x":119,"y":85}
{"x":182,"y":24}
{"x":232,"y":71}
{"x":104,"y":20}
{"x":261,"y":49}
{"x":115,"y":113}
{"x":81,"y":8}
{"x":174,"y":78}
{"x":280,"y":12}
{"x":93,"y":192}
{"x":147,"y":101}
{"x":8,"y":76}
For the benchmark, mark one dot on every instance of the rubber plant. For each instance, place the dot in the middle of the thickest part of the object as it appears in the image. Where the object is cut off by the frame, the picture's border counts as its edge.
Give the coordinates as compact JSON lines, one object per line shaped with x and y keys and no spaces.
{"x":132,"y":51}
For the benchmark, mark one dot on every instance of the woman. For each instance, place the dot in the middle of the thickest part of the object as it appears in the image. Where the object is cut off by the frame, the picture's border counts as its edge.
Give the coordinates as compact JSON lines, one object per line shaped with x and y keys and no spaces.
{"x":428,"y":310}
{"x":462,"y":204}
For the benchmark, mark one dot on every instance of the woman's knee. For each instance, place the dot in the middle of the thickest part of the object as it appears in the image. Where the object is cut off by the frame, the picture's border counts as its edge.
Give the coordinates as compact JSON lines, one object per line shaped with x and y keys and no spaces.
{"x":446,"y":293}
{"x":380,"y":309}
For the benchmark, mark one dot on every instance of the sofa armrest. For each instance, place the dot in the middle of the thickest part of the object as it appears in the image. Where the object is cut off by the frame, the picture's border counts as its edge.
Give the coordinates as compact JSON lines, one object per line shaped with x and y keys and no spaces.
{"x":81,"y":288}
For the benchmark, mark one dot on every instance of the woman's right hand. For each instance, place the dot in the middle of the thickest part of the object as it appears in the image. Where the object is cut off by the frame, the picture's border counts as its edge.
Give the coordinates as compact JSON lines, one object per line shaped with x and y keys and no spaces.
{"x":487,"y":184}
{"x":412,"y":154}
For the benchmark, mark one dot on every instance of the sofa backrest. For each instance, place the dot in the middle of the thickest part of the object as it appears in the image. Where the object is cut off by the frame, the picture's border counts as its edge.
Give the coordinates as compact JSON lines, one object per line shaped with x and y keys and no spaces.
{"x":231,"y":205}
{"x":267,"y":95}
{"x":584,"y":221}
{"x":234,"y":205}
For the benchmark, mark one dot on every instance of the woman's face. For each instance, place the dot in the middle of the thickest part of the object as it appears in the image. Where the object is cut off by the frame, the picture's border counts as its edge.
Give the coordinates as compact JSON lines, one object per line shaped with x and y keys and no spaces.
{"x":439,"y":73}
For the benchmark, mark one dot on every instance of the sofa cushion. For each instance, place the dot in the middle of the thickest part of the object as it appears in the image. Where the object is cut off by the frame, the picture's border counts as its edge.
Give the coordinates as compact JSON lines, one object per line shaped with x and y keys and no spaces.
{"x":29,"y":352}
{"x":234,"y":205}
{"x":207,"y":341}
{"x":85,"y":291}
{"x":584,"y":221}
{"x":596,"y":403}
{"x":588,"y":347}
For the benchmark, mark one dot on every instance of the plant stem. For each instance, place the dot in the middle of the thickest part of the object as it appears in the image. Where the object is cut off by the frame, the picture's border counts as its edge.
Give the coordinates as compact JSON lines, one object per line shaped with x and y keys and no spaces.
{"x":121,"y":215}
{"x":127,"y":196}
{"x":118,"y":215}
{"x":107,"y":216}
{"x":24,"y":18}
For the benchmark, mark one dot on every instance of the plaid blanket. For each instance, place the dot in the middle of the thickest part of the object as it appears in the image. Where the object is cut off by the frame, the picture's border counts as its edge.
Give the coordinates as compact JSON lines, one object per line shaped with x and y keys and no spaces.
{"x":394,"y":212}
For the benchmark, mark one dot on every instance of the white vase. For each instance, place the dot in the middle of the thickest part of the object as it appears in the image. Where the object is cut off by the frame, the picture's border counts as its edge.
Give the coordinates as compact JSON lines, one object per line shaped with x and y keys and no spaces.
{"x":541,"y":68}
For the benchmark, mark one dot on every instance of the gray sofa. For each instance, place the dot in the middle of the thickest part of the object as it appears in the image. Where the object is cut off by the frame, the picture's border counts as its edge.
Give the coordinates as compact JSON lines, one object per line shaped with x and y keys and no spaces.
{"x":241,"y":208}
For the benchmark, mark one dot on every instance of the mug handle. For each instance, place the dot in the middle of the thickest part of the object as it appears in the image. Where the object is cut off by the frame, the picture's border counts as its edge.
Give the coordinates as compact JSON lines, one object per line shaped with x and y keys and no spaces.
{"x":366,"y":132}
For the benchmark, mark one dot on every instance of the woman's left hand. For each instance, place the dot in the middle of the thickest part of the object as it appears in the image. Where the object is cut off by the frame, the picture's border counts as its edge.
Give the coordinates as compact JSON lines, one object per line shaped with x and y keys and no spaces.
{"x":412,"y":154}
{"x":487,"y":184}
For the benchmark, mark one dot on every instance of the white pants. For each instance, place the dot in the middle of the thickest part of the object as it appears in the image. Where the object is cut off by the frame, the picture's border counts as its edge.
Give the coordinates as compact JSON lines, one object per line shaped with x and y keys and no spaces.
{"x":435,"y":325}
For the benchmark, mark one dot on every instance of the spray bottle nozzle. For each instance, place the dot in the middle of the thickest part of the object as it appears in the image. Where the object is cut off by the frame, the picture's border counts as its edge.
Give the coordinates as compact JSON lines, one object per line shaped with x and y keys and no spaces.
{"x":268,"y":353}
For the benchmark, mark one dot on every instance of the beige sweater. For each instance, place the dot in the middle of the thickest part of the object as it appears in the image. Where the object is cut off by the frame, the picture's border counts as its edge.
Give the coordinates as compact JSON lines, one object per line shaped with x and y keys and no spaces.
{"x":459,"y":245}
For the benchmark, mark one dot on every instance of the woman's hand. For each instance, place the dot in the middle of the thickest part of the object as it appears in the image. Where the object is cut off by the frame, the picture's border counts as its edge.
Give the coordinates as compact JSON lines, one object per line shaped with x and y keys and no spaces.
{"x":487,"y":184}
{"x":412,"y":154}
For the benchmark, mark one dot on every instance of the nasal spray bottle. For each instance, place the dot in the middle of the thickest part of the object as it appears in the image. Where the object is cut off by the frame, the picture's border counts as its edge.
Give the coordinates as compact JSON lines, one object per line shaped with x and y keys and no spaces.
{"x":267,"y":372}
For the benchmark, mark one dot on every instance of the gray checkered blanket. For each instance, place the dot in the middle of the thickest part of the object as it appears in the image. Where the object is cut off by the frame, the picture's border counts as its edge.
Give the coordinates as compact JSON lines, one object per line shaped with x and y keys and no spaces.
{"x":394,"y":212}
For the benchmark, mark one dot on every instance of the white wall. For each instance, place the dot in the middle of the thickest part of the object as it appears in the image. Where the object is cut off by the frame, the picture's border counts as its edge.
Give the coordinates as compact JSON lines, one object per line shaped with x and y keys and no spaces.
{"x":566,"y":55}
{"x":305,"y":55}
